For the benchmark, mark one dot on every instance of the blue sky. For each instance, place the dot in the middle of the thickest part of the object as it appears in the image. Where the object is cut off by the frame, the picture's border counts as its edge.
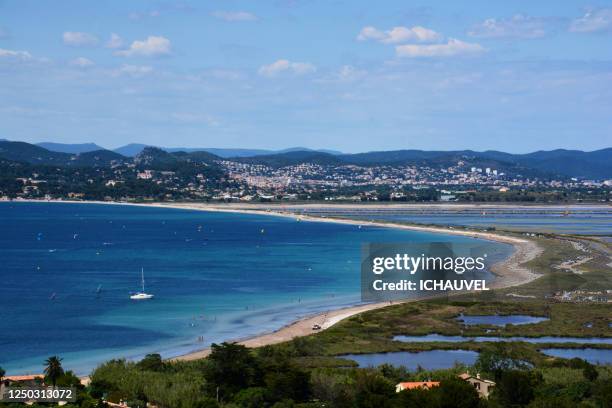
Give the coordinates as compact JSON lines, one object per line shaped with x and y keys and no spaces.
{"x":516,"y":76}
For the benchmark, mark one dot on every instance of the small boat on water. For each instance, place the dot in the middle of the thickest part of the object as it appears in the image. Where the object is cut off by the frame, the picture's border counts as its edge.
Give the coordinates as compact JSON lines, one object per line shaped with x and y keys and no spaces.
{"x":141,"y":295}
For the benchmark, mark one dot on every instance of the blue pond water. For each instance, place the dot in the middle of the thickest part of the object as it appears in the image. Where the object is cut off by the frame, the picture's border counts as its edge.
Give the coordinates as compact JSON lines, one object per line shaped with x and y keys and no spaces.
{"x":429,"y":360}
{"x":545,"y":339}
{"x":222,"y":276}
{"x":497,"y":320}
{"x":593,"y":356}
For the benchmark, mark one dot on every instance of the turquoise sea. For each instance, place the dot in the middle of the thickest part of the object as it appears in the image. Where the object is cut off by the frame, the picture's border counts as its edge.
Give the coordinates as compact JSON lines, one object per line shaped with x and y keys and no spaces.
{"x":67,"y":271}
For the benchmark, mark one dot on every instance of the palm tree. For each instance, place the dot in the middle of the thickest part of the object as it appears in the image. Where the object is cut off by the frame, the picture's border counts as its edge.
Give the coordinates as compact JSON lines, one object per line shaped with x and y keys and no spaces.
{"x":53,"y":369}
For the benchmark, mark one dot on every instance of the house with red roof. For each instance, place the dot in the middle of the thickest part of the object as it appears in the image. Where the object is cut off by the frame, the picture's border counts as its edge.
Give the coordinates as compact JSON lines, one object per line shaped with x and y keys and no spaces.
{"x":426,"y":385}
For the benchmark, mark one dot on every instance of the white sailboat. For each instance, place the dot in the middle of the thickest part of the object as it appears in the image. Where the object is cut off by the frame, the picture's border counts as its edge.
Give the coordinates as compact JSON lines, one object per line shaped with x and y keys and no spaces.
{"x":141,"y":295}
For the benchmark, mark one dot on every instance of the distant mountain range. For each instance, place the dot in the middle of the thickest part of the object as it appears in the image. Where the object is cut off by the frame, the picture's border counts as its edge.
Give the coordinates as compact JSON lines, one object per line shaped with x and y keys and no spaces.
{"x":70,"y":148}
{"x":33,"y":154}
{"x":571,"y":163}
{"x":132,"y":149}
{"x":567,"y":163}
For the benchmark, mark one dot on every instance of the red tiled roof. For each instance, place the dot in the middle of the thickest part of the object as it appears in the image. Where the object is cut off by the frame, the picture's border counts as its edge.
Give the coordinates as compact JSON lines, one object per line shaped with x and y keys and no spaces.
{"x":23,"y":377}
{"x":418,"y":384}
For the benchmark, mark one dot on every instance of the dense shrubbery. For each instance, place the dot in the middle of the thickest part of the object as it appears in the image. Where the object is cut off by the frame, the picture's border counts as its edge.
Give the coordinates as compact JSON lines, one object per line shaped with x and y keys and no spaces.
{"x":274,"y":377}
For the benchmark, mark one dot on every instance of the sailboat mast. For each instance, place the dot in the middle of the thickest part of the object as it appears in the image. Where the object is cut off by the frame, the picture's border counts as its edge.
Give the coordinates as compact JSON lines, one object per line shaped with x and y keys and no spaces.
{"x":142,"y":275}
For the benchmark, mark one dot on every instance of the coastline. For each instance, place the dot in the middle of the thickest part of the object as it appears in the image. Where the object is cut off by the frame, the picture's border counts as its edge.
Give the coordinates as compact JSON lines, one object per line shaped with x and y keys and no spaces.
{"x":509,"y":272}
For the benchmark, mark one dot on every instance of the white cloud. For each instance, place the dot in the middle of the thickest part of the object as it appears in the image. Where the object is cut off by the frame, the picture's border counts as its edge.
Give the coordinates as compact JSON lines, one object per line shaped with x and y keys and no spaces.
{"x":217,"y":74}
{"x":301,"y":68}
{"x":593,"y":21}
{"x":15,"y":55}
{"x":283,"y":65}
{"x":133,"y":70}
{"x":344,"y":74}
{"x":370,"y":33}
{"x":452,"y":48}
{"x":518,"y":26}
{"x":115,"y":41}
{"x":140,"y":16}
{"x":79,"y":39}
{"x":151,"y":47}
{"x":82,"y":62}
{"x":350,"y":73}
{"x":234,"y":15}
{"x":399,"y":35}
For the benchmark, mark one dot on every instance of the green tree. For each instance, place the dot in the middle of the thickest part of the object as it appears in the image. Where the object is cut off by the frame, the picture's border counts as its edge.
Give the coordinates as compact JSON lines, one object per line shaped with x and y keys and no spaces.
{"x":455,"y":393}
{"x":232,"y":367}
{"x":602,"y":393}
{"x":53,"y":369}
{"x":151,"y":362}
{"x":289,"y":383}
{"x":205,"y":402}
{"x":69,"y":379}
{"x":284,"y":404}
{"x":373,"y":390}
{"x":497,"y":359}
{"x":515,"y":388}
{"x":590,"y":373}
{"x":253,"y":397}
{"x":551,"y":401}
{"x":2,"y":373}
{"x":336,"y":388}
{"x":415,"y":398}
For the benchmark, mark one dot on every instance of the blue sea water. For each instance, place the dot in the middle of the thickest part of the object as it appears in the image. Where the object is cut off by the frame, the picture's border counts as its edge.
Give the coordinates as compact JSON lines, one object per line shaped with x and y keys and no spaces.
{"x":67,"y":270}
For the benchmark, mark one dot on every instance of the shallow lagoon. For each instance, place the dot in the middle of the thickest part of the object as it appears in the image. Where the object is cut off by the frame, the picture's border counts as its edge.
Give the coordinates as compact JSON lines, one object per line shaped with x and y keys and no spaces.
{"x":497,"y":320}
{"x":588,"y":220}
{"x":429,"y":360}
{"x":593,"y":356}
{"x":482,"y":339}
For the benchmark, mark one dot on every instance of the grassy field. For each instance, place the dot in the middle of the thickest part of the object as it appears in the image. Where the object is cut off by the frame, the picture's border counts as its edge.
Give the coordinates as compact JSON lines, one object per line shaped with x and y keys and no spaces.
{"x":373,"y":331}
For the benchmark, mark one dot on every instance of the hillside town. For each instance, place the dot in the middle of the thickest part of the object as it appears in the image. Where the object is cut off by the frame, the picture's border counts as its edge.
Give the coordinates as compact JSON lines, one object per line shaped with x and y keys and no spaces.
{"x":232,"y":180}
{"x":32,"y":172}
{"x":449,"y":183}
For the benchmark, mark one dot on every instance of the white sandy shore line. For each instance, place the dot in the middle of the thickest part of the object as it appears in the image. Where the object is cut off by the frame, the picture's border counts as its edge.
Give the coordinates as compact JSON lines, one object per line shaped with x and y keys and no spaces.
{"x":509,"y":272}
